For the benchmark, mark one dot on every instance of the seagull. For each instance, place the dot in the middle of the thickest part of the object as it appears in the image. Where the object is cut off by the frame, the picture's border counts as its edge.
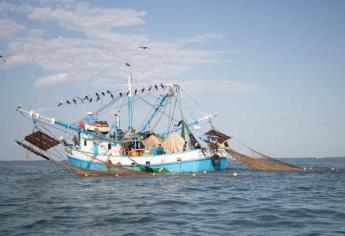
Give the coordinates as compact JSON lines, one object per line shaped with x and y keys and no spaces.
{"x":60,"y":103}
{"x":156,"y":87}
{"x":68,"y":102}
{"x":143,"y":47}
{"x":3,"y":58}
{"x":127,"y":64}
{"x":74,"y":101}
{"x":103,"y":93}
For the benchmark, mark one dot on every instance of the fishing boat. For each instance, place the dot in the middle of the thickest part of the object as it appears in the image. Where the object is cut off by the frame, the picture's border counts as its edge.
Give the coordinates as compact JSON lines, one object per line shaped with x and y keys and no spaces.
{"x":160,"y":139}
{"x":102,"y":147}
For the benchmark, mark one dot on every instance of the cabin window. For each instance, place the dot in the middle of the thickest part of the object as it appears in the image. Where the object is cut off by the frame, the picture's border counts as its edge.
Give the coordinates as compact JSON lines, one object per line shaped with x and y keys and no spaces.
{"x":85,"y":143}
{"x":109,"y":146}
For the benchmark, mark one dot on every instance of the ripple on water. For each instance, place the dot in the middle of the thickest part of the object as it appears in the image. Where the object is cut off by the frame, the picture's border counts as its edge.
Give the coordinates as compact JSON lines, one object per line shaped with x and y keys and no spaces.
{"x":38,"y":200}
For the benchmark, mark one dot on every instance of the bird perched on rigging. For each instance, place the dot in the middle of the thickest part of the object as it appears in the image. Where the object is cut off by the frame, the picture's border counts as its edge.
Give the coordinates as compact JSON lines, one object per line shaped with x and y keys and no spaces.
{"x":90,"y":100}
{"x":103,"y":94}
{"x":108,"y":92}
{"x":68,"y":102}
{"x":127,"y":64}
{"x":120,"y":94}
{"x":112,"y":96}
{"x":179,"y":123}
{"x":74,"y":101}
{"x":135,"y":91}
{"x":150,"y":88}
{"x":162,"y":86}
{"x":60,"y":103}
{"x":142,"y":90}
{"x":144,"y":47}
{"x":156,"y":87}
{"x":3,"y":58}
{"x":81,"y":99}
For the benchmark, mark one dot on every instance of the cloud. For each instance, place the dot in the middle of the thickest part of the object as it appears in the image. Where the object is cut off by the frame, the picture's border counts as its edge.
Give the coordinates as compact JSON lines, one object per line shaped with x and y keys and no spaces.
{"x":83,"y":17}
{"x":96,"y":50}
{"x":52,"y":79}
{"x":202,"y":38}
{"x":9,"y":29}
{"x":6,"y":8}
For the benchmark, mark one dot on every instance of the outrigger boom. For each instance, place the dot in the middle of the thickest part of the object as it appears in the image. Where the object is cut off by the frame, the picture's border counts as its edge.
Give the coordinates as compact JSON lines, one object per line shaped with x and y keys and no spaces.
{"x":37,"y":116}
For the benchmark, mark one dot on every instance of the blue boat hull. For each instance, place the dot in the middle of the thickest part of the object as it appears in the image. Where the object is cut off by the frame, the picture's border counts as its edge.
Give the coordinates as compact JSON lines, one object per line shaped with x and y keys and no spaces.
{"x":196,"y":165}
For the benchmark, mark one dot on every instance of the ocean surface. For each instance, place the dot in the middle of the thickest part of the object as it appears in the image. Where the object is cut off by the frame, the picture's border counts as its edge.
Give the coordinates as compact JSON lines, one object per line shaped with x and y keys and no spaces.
{"x":39,"y":198}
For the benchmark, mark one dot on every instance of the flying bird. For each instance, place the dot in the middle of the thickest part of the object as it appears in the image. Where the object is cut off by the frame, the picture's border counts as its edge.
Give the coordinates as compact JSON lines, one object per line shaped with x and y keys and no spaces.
{"x":68,"y":102}
{"x":127,"y":64}
{"x":3,"y":58}
{"x":144,"y":47}
{"x":60,"y":103}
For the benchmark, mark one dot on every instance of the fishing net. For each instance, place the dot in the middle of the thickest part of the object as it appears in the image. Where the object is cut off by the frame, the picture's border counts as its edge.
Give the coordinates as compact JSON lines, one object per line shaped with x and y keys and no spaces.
{"x":260,"y":161}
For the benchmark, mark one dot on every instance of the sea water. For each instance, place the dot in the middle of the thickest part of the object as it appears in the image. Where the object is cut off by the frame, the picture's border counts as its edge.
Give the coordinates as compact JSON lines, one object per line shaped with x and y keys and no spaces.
{"x":38,"y":198}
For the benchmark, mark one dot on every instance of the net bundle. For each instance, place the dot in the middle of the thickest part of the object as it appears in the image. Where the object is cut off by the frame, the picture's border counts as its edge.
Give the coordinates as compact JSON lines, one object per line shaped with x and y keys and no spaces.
{"x":260,"y":161}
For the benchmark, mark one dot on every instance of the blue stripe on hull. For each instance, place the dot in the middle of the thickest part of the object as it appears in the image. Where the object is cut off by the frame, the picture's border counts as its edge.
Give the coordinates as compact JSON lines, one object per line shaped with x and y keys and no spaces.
{"x":196,"y":165}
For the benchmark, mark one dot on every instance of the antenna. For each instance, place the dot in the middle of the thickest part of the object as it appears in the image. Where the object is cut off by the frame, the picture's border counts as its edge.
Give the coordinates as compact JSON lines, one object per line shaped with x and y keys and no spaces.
{"x":130,"y":103}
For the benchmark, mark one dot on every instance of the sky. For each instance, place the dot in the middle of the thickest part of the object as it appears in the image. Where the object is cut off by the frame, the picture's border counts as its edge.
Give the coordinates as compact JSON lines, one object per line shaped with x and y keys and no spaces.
{"x":272,"y":70}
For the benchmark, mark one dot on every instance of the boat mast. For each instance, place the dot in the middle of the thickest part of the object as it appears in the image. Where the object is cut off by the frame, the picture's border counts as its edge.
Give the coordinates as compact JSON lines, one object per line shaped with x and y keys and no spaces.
{"x":130,"y":103}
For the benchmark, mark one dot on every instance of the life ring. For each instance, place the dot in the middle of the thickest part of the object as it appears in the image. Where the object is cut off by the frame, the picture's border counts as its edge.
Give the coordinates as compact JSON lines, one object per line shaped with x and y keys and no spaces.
{"x":215,"y":159}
